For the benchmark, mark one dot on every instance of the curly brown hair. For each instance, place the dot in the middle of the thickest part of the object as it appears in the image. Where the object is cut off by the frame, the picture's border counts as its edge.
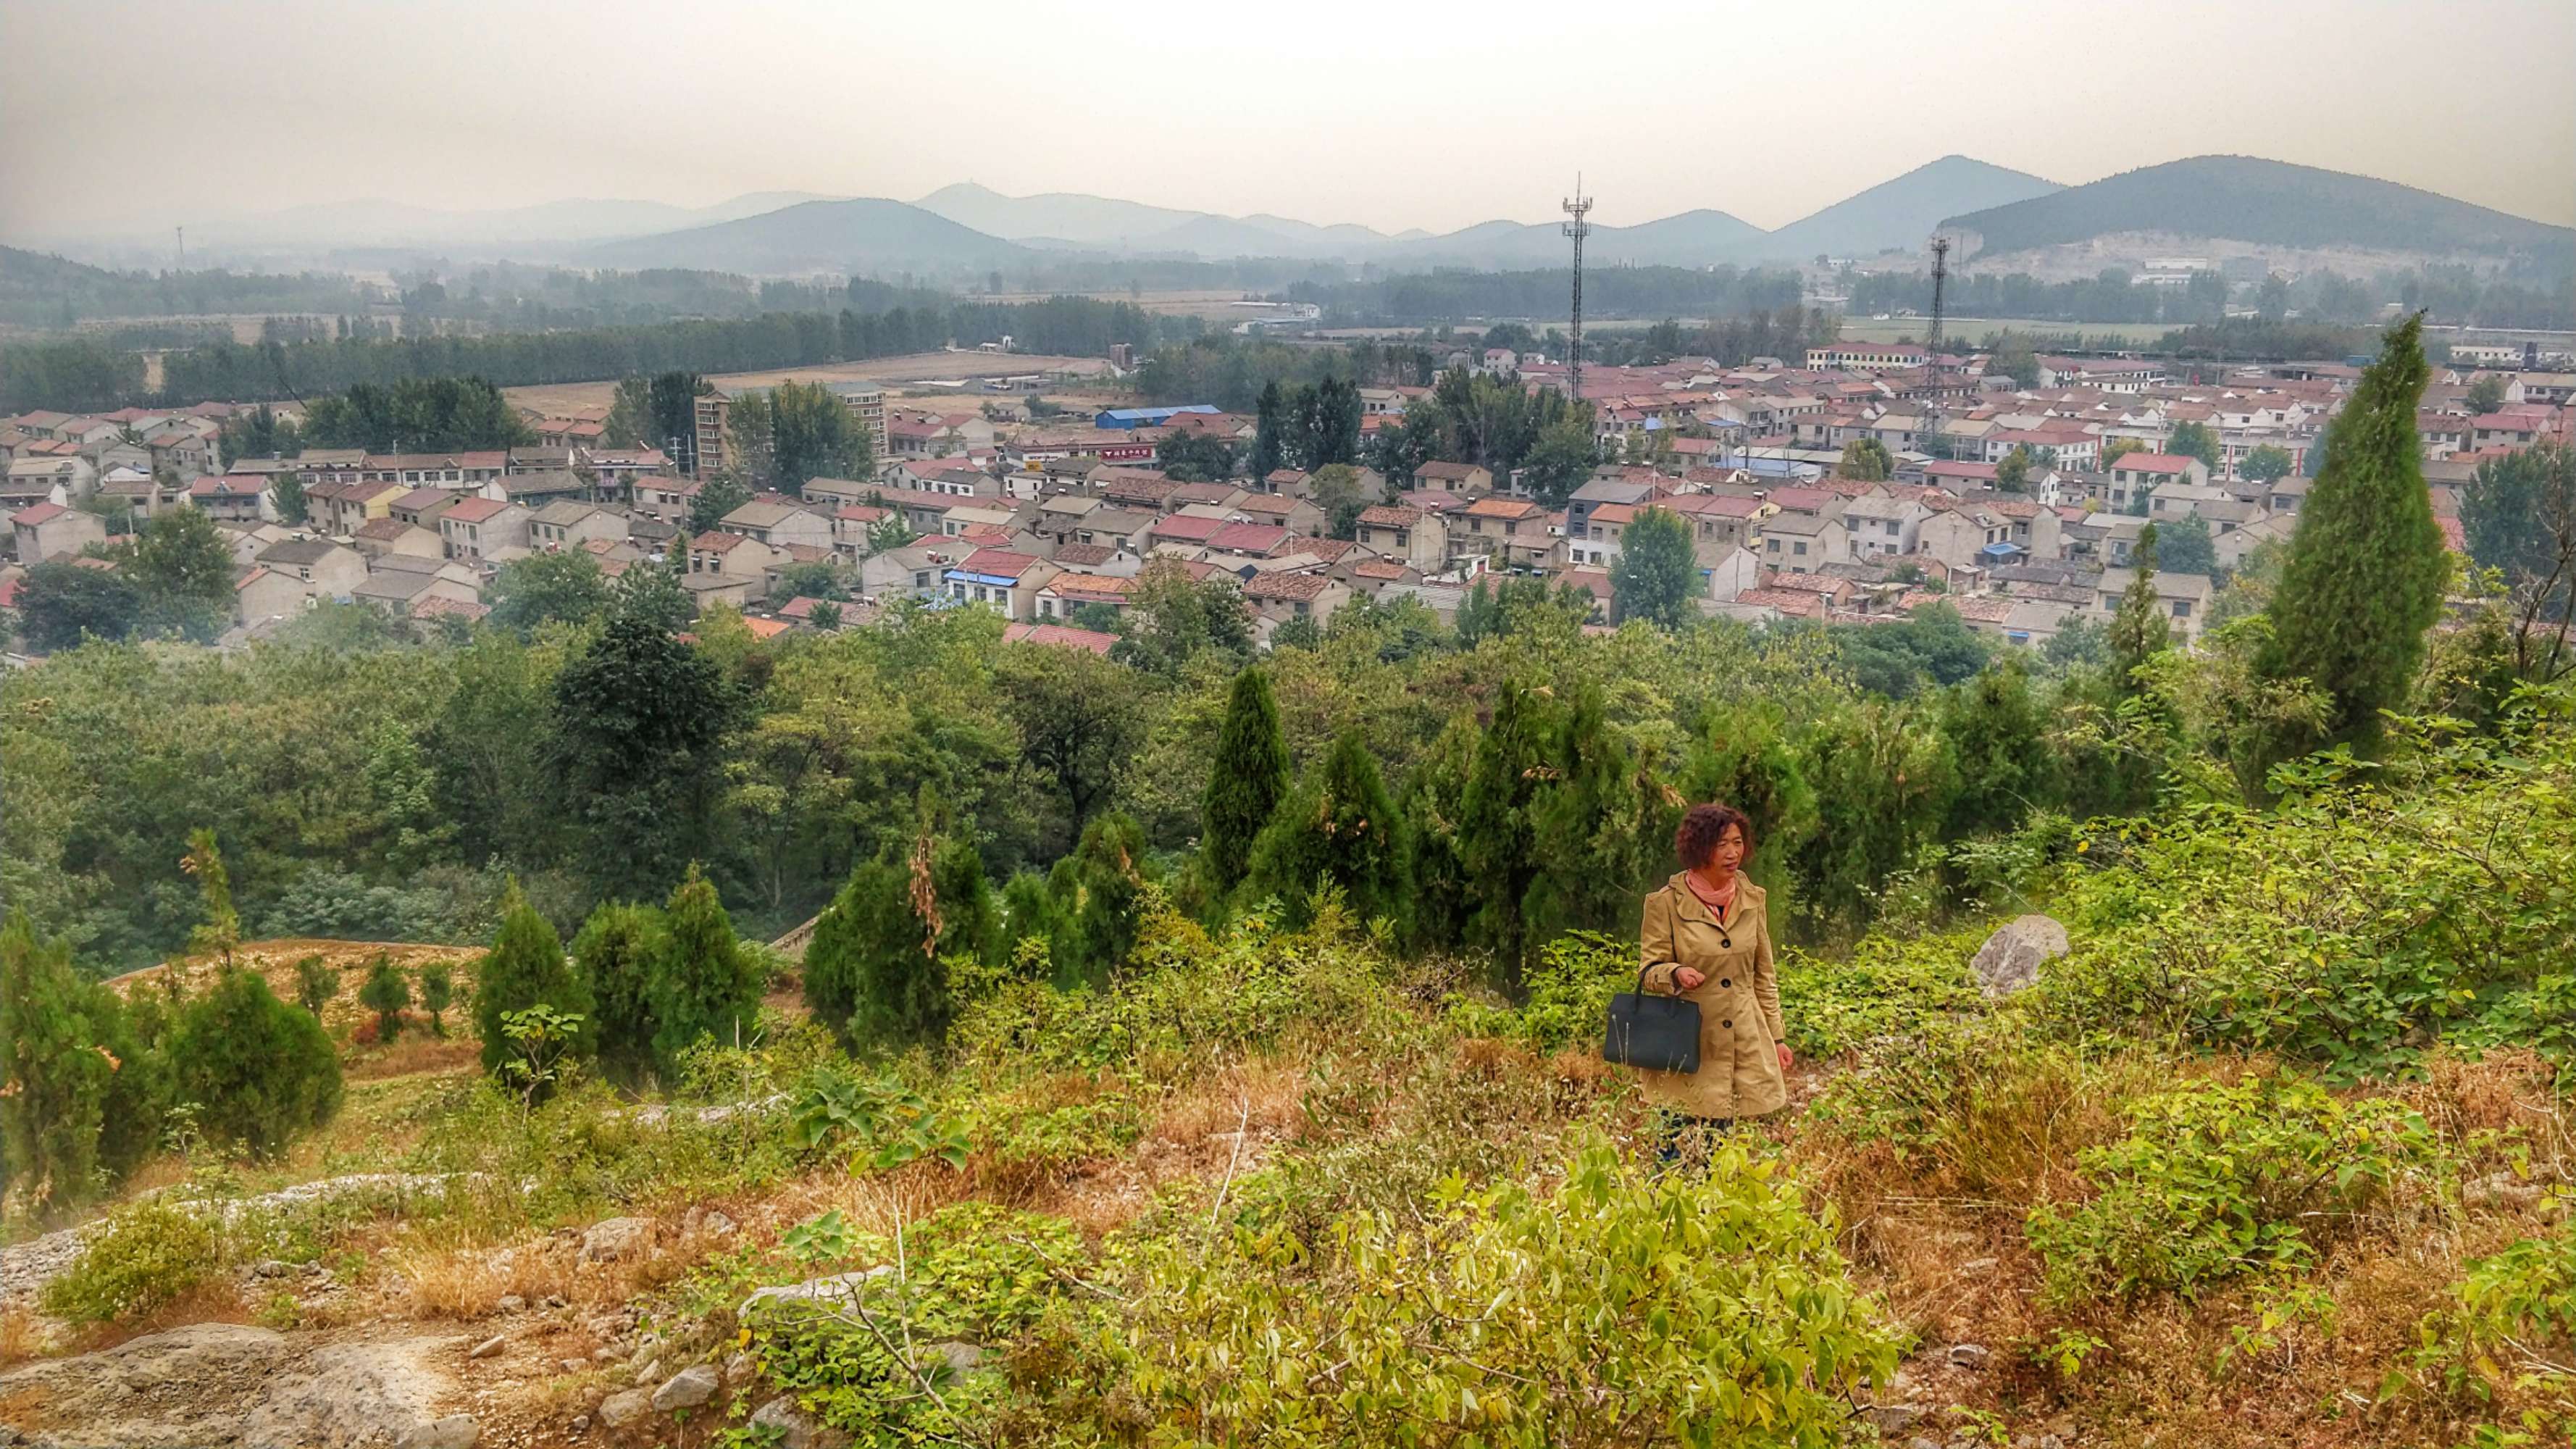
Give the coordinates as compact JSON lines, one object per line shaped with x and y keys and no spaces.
{"x":1703,"y":826}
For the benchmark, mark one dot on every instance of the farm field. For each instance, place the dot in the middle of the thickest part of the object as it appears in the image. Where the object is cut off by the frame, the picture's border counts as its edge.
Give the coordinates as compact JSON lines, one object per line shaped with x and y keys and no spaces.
{"x":912,"y":367}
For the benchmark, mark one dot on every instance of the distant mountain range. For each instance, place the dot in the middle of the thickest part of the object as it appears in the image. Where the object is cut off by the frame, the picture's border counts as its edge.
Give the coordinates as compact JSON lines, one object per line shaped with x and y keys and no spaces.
{"x":2264,"y":203}
{"x":862,"y":236}
{"x":970,"y":229}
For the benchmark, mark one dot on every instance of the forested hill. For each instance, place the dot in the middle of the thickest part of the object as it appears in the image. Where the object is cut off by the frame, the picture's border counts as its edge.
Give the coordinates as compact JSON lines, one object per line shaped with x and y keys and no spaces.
{"x":2249,"y":199}
{"x":41,"y":290}
{"x":864,"y":236}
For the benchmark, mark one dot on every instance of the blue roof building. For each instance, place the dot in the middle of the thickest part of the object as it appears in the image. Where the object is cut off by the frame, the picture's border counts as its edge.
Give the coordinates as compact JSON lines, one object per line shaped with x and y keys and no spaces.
{"x":1147,"y":417}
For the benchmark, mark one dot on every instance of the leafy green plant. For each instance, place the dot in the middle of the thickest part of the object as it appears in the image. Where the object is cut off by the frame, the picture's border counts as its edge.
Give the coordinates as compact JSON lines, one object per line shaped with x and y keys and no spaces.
{"x":1568,"y":986}
{"x":147,"y":1255}
{"x":1615,"y":1299}
{"x":2278,"y":1311}
{"x":2512,"y":1332}
{"x":541,"y":1042}
{"x":885,"y":1123}
{"x":2215,"y":1181}
{"x":884,"y":1361}
{"x":2067,"y":1350}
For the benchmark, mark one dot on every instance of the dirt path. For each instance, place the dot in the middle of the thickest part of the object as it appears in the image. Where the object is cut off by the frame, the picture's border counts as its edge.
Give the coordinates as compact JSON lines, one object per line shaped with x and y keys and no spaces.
{"x":234,"y":1384}
{"x":26,"y":1267}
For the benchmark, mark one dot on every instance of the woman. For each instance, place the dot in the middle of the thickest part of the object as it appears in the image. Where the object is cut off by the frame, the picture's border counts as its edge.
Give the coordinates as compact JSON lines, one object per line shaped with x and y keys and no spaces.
{"x":1706,"y":938}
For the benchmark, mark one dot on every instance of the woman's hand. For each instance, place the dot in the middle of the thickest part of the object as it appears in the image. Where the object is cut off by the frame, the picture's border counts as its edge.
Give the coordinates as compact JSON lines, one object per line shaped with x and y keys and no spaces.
{"x":1688,"y":979}
{"x":1787,"y":1058}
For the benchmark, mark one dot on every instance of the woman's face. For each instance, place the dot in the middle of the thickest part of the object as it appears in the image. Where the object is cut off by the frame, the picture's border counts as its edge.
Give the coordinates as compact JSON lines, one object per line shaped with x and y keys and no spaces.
{"x":1728,"y":853}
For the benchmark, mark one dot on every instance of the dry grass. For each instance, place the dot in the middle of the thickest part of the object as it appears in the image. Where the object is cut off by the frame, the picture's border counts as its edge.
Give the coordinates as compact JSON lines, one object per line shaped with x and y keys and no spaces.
{"x":22,"y":1335}
{"x":412,"y":1055}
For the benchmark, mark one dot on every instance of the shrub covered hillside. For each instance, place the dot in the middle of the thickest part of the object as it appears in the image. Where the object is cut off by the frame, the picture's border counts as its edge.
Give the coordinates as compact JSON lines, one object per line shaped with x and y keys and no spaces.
{"x":2275,"y":1155}
{"x":1189,"y":1049}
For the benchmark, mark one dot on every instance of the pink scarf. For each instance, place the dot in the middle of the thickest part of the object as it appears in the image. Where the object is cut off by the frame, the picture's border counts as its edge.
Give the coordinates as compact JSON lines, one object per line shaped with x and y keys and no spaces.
{"x":1716,"y":900}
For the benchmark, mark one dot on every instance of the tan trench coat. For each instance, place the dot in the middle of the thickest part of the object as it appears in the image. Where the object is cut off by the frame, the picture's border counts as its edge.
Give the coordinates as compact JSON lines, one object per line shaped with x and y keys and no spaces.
{"x":1739,"y":1003}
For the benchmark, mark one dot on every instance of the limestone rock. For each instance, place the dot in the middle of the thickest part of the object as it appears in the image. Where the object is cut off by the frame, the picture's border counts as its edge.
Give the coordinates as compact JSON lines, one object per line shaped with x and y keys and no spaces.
{"x":489,"y":1346}
{"x":2011,"y":957}
{"x":614,"y":1239}
{"x":1969,"y":1355}
{"x":688,"y":1388}
{"x":840,"y":1290}
{"x":456,"y":1431}
{"x":1894,"y":1419}
{"x":621,"y":1409}
{"x":796,"y":1428}
{"x":739,"y":1369}
{"x":961,"y":1356}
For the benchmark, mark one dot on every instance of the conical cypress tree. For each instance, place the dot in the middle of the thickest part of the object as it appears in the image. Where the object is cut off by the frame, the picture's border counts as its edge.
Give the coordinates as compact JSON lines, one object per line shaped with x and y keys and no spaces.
{"x":877,"y":968}
{"x":1246,"y":783}
{"x":525,"y":968}
{"x":1341,"y":826}
{"x":2139,"y":628}
{"x":614,"y":955}
{"x":51,"y":1119}
{"x":2365,"y":572}
{"x":1494,"y":828}
{"x":259,"y":1069}
{"x":1099,"y":892}
{"x":703,"y":984}
{"x":1435,"y":871}
{"x":1594,"y":836}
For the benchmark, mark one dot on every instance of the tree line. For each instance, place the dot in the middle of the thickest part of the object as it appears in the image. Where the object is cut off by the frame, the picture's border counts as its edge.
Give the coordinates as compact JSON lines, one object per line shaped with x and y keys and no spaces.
{"x":1453,"y":295}
{"x":77,"y":375}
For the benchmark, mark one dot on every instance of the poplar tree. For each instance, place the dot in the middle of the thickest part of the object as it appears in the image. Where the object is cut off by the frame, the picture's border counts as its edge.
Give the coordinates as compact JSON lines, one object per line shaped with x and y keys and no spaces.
{"x":1656,"y":575}
{"x":703,"y":984}
{"x":1339,"y":826}
{"x":2365,"y":571}
{"x":1245,"y":783}
{"x":524,"y":968}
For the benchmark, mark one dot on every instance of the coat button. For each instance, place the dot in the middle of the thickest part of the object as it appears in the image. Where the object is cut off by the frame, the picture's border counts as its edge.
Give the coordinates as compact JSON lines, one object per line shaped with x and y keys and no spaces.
{"x":1729,"y":1025}
{"x":1724,"y":982}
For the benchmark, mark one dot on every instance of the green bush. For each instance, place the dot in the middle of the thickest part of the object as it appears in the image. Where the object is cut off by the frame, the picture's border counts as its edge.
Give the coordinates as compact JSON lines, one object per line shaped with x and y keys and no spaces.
{"x":1569,"y":988}
{"x":2359,"y":921}
{"x":2514,"y":1328}
{"x":972,"y":1273}
{"x":1713,"y":1310}
{"x":2214,"y":1181}
{"x":258,"y":1070}
{"x":1884,"y":986}
{"x":1182,"y":1000}
{"x":146,"y":1255}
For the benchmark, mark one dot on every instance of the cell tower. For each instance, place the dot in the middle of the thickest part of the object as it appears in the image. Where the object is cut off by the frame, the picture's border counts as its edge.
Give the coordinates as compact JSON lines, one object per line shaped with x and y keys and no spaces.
{"x":1940,"y":284}
{"x":1576,"y":206}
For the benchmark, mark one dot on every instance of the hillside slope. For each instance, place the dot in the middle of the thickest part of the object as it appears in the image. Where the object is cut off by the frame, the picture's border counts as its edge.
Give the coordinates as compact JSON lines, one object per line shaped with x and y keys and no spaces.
{"x":867,"y":235}
{"x":2249,"y":199}
{"x":1899,"y":213}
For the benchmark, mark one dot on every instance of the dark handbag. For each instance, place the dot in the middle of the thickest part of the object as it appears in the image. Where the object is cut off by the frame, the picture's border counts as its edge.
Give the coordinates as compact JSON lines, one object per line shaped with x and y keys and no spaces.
{"x":1654,"y":1033}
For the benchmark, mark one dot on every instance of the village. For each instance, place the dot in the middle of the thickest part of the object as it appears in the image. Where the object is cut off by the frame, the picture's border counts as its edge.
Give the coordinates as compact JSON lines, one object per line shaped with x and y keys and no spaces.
{"x":1861,"y":485}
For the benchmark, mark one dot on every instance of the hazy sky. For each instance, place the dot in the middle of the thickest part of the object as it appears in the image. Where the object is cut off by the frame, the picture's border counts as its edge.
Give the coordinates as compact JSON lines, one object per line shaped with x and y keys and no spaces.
{"x":1392,"y":113}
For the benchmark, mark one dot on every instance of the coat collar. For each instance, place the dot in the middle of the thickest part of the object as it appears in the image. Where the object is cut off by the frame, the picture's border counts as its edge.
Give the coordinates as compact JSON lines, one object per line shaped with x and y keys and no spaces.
{"x":1687,"y":901}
